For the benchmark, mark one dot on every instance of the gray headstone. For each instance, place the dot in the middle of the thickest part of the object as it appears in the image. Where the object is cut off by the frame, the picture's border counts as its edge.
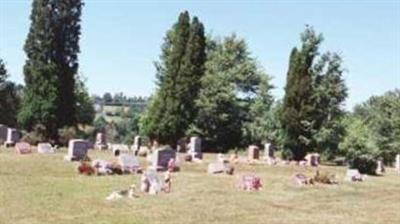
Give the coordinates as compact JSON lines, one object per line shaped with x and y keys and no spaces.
{"x":195,"y":147}
{"x":161,"y":157}
{"x":77,"y":149}
{"x":128,"y":162}
{"x":3,"y":132}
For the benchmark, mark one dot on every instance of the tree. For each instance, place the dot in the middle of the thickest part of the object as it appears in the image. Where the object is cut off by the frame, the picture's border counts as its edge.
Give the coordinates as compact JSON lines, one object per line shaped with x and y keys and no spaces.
{"x":179,"y":71}
{"x":52,"y":48}
{"x":297,"y":115}
{"x":233,"y":83}
{"x":9,"y":98}
{"x":381,"y":115}
{"x":314,"y":94}
{"x":84,"y":106}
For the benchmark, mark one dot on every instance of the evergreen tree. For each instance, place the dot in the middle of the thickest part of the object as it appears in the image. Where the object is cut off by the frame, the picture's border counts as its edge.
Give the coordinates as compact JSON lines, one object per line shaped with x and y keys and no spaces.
{"x":178,"y":76}
{"x":52,"y":63}
{"x":85,"y":112}
{"x":298,"y":106}
{"x":312,"y":107}
{"x":9,"y":99}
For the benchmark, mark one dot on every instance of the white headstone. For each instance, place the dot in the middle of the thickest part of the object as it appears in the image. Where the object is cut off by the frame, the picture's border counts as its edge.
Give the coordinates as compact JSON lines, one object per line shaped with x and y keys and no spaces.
{"x":77,"y":149}
{"x":137,"y":142}
{"x":217,"y":167}
{"x":128,"y":162}
{"x":353,"y":175}
{"x":313,"y":159}
{"x":398,"y":163}
{"x":101,"y":142}
{"x":195,"y":147}
{"x":12,"y":137}
{"x":45,"y":148}
{"x":269,"y":150}
{"x":380,"y":169}
{"x":154,"y":181}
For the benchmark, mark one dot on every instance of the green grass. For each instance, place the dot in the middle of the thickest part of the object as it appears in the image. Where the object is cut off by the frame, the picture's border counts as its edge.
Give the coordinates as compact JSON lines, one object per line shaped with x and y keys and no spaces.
{"x":42,"y":189}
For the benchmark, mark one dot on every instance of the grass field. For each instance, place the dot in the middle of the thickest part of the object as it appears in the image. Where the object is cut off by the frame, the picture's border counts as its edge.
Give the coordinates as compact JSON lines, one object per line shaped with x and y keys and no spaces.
{"x":38,"y":189}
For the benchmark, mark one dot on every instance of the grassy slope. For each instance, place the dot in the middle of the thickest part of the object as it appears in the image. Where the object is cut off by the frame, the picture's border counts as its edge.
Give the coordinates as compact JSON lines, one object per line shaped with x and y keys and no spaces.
{"x":44,"y":189}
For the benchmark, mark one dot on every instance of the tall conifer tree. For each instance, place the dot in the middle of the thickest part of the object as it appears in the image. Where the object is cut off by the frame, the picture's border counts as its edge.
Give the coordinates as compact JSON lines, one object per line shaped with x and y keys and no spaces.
{"x":298,"y":106}
{"x":179,"y":72}
{"x":51,"y":47}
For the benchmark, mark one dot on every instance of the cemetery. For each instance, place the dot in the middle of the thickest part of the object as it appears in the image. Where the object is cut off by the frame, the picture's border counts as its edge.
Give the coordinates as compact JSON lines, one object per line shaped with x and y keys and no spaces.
{"x":137,"y":112}
{"x":53,"y":189}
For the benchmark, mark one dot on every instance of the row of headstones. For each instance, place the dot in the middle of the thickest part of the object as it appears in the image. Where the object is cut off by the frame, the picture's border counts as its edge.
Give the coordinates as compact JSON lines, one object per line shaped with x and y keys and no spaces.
{"x":10,"y":136}
{"x":101,"y":142}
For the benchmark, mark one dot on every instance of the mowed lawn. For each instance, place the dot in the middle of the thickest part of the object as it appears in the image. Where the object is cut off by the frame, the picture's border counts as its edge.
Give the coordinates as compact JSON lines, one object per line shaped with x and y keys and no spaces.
{"x":38,"y":189}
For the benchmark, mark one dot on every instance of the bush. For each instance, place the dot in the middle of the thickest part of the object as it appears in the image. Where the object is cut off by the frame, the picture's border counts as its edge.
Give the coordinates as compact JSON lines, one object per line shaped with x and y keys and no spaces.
{"x":36,"y":136}
{"x":65,"y":134}
{"x":365,"y":163}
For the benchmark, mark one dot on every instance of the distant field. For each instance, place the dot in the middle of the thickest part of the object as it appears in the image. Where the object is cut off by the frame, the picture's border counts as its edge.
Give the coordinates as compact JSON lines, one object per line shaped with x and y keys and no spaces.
{"x":113,"y":109}
{"x":38,"y":189}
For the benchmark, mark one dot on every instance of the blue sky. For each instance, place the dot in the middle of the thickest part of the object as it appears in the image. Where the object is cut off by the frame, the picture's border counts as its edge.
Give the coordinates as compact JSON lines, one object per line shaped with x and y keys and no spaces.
{"x":121,"y":38}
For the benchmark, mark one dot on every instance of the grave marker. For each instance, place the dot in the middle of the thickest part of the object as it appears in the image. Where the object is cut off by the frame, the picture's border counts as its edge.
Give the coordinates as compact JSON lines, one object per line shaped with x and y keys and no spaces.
{"x":195,"y":147}
{"x":12,"y":137}
{"x":161,"y":157}
{"x":101,"y":142}
{"x":253,"y":152}
{"x":23,"y":148}
{"x":3,"y":133}
{"x":77,"y":149}
{"x":45,"y":148}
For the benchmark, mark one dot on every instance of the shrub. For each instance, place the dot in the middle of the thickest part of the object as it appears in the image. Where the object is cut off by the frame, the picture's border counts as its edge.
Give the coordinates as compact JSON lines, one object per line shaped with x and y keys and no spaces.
{"x":36,"y":136}
{"x":65,"y":134}
{"x":365,"y":163}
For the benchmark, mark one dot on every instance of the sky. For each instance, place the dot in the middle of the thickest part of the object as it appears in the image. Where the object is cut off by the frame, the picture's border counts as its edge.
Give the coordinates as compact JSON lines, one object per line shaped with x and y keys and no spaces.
{"x":121,"y":39}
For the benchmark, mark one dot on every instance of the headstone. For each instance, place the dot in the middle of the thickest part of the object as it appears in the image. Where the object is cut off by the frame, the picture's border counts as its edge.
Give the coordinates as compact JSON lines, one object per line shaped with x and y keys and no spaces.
{"x":77,"y":149}
{"x":128,"y":162}
{"x":150,"y":182}
{"x":380,"y":169}
{"x":217,"y":167}
{"x":137,"y":142}
{"x":118,"y":149}
{"x":250,"y":182}
{"x":221,"y":158}
{"x":101,"y":142}
{"x":23,"y":148}
{"x":313,"y":159}
{"x":301,"y":179}
{"x":3,"y":133}
{"x":269,"y":150}
{"x":398,"y":163}
{"x":354,"y":175}
{"x":12,"y":137}
{"x":195,"y":147}
{"x":161,"y":157}
{"x":102,"y":167}
{"x":253,"y":152}
{"x":45,"y":148}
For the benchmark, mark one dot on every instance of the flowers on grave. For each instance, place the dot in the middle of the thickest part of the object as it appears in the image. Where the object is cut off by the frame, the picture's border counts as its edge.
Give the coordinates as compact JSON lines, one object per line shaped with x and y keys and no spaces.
{"x":250,"y":182}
